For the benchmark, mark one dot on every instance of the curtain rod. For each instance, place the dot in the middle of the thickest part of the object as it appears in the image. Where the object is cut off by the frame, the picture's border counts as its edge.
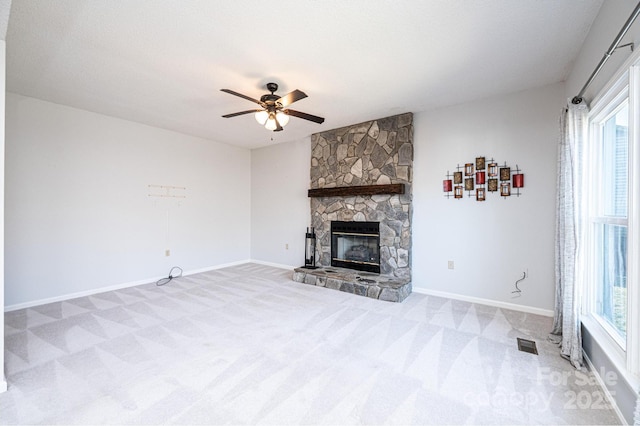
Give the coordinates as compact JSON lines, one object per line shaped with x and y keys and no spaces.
{"x":578,"y":98}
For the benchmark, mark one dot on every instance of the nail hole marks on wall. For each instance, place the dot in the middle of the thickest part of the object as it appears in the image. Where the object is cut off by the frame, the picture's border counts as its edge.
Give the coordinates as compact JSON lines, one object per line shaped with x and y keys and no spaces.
{"x":167,"y":191}
{"x":170,"y":196}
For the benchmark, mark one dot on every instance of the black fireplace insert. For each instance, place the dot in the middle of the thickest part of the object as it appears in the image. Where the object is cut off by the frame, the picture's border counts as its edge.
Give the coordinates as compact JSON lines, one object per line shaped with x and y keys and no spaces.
{"x":356,"y":245}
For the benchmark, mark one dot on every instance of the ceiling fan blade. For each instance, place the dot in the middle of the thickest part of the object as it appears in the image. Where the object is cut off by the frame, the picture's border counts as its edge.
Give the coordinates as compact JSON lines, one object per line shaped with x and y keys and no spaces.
{"x":231,"y":92}
{"x":305,"y":116}
{"x":235,"y":114}
{"x":292,"y":97}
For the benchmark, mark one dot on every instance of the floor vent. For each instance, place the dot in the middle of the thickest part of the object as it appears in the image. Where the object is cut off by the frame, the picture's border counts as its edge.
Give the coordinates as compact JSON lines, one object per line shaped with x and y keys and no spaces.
{"x":529,"y":346}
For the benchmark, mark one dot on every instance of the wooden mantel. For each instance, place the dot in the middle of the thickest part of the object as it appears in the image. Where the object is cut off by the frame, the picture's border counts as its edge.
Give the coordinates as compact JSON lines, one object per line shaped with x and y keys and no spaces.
{"x":348,"y":191}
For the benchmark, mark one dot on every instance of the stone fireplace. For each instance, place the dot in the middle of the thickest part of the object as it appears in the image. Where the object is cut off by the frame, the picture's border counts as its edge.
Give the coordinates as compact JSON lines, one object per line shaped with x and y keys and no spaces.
{"x":376,"y":154}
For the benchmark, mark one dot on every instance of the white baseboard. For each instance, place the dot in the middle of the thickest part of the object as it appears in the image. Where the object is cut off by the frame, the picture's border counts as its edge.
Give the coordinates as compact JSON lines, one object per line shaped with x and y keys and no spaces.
{"x":213,"y":268}
{"x":481,"y":301}
{"x":604,"y":388}
{"x":275,"y":265}
{"x":3,"y":386}
{"x":91,"y":292}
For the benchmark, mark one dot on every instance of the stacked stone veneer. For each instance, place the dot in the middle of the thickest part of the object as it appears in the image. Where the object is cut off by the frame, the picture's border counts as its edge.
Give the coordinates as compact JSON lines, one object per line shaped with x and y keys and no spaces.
{"x":375,"y":152}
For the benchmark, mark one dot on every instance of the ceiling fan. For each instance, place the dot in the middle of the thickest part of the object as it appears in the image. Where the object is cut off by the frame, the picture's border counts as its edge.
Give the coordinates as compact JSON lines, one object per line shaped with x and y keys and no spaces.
{"x":274,"y":114}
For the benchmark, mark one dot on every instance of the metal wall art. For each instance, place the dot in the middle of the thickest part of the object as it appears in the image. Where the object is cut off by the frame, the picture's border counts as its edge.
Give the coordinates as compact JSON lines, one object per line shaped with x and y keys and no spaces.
{"x":481,"y":177}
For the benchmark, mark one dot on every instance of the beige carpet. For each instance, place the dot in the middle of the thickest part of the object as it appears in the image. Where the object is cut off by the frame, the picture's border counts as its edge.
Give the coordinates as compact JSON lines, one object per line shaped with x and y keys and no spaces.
{"x":247,"y":345}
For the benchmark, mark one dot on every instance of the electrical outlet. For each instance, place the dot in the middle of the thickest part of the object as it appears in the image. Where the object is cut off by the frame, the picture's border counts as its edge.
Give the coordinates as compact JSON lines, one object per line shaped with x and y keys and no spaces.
{"x":286,"y":246}
{"x":167,"y":252}
{"x":450,"y":264}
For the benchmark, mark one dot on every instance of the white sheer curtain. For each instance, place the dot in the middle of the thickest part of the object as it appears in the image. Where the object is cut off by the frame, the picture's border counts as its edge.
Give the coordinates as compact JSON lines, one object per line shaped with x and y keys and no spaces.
{"x":566,"y":325}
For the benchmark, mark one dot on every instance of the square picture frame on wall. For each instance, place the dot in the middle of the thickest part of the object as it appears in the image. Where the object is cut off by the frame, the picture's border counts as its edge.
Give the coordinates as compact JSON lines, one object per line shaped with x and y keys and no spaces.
{"x":457,"y":192}
{"x":505,"y":173}
{"x":468,"y":184}
{"x":505,"y":189}
{"x":468,"y":169}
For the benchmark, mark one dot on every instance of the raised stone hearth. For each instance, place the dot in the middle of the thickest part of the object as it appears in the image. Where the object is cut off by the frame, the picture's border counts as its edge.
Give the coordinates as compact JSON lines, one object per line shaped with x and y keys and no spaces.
{"x":375,"y":286}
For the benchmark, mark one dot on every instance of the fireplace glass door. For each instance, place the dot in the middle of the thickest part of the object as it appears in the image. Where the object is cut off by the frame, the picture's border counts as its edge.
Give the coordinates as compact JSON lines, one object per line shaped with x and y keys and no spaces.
{"x":356,"y":245}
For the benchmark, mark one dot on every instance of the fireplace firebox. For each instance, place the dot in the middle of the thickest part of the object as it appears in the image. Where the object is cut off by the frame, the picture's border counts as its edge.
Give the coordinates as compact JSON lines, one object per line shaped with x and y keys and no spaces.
{"x":356,"y":245}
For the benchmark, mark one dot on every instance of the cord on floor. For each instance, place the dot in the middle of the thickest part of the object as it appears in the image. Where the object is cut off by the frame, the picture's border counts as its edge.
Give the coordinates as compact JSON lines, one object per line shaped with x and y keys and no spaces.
{"x":163,"y":281}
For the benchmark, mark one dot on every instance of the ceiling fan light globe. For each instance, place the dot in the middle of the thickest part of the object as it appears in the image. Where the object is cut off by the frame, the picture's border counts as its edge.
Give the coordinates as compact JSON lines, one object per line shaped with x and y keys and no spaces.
{"x":261,"y":117}
{"x":283,"y":118}
{"x":271,"y":124}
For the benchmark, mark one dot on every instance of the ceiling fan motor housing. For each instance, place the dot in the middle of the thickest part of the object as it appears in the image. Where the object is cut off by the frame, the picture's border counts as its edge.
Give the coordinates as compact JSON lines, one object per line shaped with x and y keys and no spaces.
{"x":269,"y":100}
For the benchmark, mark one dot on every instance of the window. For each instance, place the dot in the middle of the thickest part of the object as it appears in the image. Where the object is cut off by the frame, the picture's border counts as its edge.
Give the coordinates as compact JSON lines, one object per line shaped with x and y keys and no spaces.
{"x":609,"y":217}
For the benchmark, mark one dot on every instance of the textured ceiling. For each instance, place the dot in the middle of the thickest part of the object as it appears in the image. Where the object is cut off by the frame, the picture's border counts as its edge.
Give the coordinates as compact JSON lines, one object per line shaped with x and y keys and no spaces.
{"x":163,"y":62}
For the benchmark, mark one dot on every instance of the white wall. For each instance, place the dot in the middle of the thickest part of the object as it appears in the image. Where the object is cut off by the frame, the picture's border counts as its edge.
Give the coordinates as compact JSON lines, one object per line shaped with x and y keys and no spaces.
{"x":490,"y":242}
{"x":78,"y":214}
{"x":3,"y":45}
{"x":279,"y":202}
{"x":605,"y":28}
